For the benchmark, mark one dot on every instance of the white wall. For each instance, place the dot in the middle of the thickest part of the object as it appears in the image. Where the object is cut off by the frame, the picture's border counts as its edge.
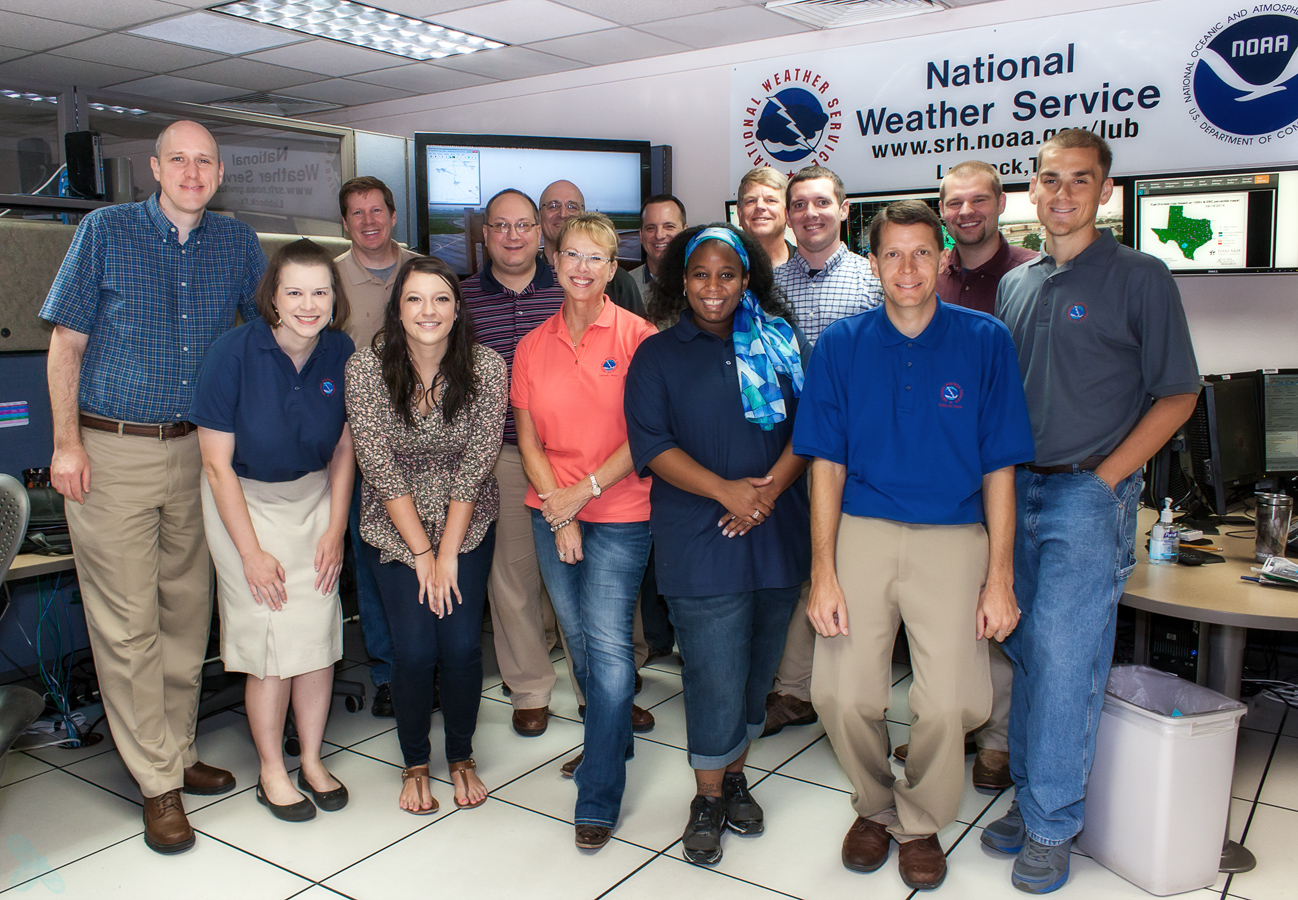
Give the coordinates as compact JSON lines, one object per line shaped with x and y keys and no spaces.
{"x":1238,"y":322}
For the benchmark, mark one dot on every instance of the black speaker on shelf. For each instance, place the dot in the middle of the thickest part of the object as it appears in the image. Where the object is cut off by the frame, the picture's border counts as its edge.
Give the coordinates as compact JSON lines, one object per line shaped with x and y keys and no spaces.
{"x":85,"y":164}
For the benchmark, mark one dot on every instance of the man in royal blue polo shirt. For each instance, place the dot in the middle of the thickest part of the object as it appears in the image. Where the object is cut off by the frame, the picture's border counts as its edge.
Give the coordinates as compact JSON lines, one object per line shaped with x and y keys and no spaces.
{"x":914,"y":416}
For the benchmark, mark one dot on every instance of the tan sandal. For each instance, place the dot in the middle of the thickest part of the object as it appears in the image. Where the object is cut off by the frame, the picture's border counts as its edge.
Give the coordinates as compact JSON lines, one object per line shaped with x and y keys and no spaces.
{"x":461,"y":767}
{"x":418,"y":772}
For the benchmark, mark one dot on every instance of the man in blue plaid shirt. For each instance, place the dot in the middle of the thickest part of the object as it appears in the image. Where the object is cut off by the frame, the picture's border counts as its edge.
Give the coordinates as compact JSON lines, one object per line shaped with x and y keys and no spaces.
{"x":144,"y":290}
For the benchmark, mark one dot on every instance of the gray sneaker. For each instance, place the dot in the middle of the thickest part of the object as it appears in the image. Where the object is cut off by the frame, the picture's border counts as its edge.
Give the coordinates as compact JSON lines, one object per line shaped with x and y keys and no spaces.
{"x":743,"y":814}
{"x":1041,"y":868}
{"x":701,"y":842}
{"x":1007,"y":833}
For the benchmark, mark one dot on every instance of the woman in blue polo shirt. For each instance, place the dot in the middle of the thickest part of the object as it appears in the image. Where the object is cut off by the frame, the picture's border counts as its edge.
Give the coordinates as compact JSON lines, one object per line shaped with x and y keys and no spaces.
{"x":710,"y":404}
{"x":278,"y":457}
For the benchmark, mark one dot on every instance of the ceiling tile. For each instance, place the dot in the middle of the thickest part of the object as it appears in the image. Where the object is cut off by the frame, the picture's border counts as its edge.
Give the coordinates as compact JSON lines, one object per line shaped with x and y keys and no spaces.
{"x":633,"y":12}
{"x":348,"y":93}
{"x":117,"y":14}
{"x":329,"y":58}
{"x":57,"y":70}
{"x":605,"y":47}
{"x":31,"y":33}
{"x":254,"y":76}
{"x":509,"y":62}
{"x":170,"y":87}
{"x":423,"y":78}
{"x":224,"y":34}
{"x":523,"y":21}
{"x":8,"y":53}
{"x":137,"y":52}
{"x":422,"y":9}
{"x":727,"y":26}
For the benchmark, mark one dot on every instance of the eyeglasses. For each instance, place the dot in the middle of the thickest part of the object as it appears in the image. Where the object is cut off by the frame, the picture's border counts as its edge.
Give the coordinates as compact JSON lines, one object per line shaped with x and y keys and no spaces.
{"x":516,"y":227}
{"x":556,"y":205}
{"x":577,"y":258}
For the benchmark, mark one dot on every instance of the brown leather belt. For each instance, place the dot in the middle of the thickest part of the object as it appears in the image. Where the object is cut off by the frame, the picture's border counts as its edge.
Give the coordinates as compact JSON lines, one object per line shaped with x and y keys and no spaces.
{"x":1090,"y":464}
{"x":165,"y":432}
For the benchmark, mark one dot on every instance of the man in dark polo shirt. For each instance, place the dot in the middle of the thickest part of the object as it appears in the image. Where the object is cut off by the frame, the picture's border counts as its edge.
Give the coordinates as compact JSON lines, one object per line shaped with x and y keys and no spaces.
{"x":143,"y":292}
{"x":1110,"y":376}
{"x":972,"y":202}
{"x":914,"y":417}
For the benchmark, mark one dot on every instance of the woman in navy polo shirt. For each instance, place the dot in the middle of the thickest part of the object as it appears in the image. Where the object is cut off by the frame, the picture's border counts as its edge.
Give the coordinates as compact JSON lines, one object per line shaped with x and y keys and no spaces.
{"x":428,"y":407}
{"x":710,"y":404}
{"x":278,"y":457}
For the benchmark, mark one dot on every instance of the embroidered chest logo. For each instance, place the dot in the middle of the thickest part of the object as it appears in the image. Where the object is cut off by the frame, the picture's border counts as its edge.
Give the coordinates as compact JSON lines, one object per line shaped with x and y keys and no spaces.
{"x":327,"y":388}
{"x":1077,"y":312}
{"x":952,"y":394}
{"x":609,"y":366}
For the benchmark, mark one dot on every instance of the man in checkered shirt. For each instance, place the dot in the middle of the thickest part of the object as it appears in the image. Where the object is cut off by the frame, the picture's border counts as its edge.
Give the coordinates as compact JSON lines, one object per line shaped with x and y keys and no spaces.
{"x":824,"y":282}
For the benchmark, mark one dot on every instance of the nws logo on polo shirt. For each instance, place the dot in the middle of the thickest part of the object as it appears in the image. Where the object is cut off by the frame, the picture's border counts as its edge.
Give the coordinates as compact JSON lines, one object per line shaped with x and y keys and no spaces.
{"x":327,"y":387}
{"x":609,"y":366}
{"x":952,"y":394}
{"x":1077,"y":312}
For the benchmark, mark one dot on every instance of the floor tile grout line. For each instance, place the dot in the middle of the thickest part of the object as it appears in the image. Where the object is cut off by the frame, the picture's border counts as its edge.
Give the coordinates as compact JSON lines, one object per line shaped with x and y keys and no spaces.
{"x":19,"y":885}
{"x":422,"y":828}
{"x":1252,"y":810}
{"x":624,"y":879}
{"x":269,"y":862}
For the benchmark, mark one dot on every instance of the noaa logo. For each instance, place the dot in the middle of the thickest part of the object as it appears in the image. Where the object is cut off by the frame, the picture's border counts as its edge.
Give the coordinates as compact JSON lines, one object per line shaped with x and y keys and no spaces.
{"x":794,"y":123}
{"x":610,"y":364}
{"x":1077,"y":312}
{"x":951,"y":393}
{"x":327,"y":388}
{"x":1242,"y":79}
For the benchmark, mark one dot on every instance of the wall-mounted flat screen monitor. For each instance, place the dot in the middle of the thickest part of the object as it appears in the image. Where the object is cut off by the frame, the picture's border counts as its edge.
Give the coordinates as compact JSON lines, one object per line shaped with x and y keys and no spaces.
{"x":1220,"y":222}
{"x":456,"y":174}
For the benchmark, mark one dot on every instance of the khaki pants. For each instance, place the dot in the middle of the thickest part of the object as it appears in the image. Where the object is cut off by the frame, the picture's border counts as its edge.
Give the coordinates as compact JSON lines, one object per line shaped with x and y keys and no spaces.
{"x":145,"y":584}
{"x":927,"y":576}
{"x":995,"y":735}
{"x":518,"y":608}
{"x":793,"y":677}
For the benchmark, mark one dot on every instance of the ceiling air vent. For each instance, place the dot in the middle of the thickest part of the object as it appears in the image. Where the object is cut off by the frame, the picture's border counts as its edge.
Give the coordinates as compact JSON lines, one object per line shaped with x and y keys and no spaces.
{"x":841,"y":13}
{"x":275,"y":104}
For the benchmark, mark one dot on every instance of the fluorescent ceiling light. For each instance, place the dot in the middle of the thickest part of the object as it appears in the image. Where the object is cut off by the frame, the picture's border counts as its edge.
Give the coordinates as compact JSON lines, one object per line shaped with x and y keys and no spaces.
{"x":217,"y":33}
{"x":363,"y":26}
{"x":840,"y":13}
{"x":26,"y":95}
{"x":120,"y":110}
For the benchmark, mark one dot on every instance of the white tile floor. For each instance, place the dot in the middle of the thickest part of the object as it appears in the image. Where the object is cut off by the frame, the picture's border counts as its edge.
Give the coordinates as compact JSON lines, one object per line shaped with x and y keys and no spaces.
{"x":71,"y":820}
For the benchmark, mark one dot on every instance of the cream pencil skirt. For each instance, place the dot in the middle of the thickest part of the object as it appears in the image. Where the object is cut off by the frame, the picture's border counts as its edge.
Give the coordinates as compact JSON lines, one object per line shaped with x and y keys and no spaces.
{"x":289,"y":518}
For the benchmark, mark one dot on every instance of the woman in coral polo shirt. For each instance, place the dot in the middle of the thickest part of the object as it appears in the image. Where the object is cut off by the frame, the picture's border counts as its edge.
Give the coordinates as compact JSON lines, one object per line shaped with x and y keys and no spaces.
{"x":590,"y":512}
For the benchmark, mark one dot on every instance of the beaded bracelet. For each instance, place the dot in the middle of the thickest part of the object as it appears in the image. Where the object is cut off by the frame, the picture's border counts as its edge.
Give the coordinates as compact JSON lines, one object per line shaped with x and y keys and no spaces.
{"x":557,"y":525}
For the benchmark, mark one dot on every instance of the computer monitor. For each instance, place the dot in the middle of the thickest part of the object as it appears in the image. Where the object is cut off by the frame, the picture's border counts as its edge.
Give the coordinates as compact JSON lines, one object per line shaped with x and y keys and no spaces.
{"x":1225,"y":437}
{"x":1280,"y":420}
{"x":456,"y":174}
{"x":1220,"y":222}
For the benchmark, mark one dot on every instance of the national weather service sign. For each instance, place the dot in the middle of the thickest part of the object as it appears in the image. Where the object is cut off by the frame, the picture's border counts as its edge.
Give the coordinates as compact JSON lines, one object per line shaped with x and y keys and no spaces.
{"x":791,"y":120}
{"x":1172,"y":85}
{"x":1241,"y":83}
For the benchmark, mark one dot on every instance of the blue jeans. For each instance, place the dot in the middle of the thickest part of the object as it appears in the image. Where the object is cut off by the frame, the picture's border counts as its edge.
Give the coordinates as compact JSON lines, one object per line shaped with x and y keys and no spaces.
{"x":594,"y":601}
{"x":731,"y":645}
{"x":1074,"y":546}
{"x":424,"y":643}
{"x":374,"y":623}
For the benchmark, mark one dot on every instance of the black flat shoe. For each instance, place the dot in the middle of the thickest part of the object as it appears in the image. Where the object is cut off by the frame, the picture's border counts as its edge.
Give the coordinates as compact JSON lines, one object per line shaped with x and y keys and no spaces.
{"x":329,"y":801}
{"x":301,"y":811}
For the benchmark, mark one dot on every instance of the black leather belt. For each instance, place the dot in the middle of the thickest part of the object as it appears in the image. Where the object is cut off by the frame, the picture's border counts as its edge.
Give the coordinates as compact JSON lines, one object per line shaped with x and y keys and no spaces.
{"x":165,"y":432}
{"x":1090,"y":464}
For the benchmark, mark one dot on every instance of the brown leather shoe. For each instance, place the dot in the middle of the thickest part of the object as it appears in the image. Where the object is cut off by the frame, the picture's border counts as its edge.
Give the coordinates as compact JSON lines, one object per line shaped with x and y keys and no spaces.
{"x":641,"y":720}
{"x":899,"y":752}
{"x":592,"y":837}
{"x":783,"y":710}
{"x":166,"y":829}
{"x":866,"y":845}
{"x":991,"y":770}
{"x":569,"y":769}
{"x":532,"y":722}
{"x":922,"y":863}
{"x":207,"y":781}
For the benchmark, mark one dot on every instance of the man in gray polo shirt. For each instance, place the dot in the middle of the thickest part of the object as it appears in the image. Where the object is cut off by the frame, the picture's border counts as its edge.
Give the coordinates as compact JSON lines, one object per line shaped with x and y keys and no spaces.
{"x":1110,"y":375}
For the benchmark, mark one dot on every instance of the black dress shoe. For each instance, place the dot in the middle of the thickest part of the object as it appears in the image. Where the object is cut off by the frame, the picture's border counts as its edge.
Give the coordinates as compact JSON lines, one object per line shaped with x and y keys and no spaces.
{"x":301,"y":811}
{"x":329,"y":801}
{"x":381,"y":708}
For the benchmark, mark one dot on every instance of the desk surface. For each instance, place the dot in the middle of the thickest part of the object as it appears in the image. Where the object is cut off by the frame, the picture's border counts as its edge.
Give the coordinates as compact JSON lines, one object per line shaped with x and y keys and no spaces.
{"x":1210,"y":593}
{"x":29,"y":565}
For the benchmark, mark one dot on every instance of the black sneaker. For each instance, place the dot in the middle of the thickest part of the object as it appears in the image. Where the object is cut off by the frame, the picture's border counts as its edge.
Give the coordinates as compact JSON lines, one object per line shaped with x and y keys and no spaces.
{"x":382,"y":706}
{"x":701,"y":841}
{"x":743,"y":814}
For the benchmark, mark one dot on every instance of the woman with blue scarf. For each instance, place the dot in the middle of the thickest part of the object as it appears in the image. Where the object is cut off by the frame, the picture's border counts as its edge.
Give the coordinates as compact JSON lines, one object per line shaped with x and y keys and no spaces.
{"x":710,"y":404}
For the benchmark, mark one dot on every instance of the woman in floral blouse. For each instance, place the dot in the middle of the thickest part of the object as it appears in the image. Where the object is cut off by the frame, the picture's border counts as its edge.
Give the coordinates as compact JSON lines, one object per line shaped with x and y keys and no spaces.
{"x":427,"y":409}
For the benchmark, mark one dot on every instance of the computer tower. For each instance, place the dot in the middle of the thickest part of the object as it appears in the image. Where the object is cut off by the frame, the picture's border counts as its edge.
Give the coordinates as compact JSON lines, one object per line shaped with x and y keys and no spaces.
{"x":1175,"y":644}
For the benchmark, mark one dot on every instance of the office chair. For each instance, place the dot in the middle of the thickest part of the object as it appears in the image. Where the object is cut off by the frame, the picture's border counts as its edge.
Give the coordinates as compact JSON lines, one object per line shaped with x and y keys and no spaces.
{"x":19,"y":706}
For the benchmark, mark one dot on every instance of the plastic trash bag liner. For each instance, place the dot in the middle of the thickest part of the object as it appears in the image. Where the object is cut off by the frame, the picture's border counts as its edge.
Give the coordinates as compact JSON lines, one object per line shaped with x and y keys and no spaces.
{"x":1165,"y":694}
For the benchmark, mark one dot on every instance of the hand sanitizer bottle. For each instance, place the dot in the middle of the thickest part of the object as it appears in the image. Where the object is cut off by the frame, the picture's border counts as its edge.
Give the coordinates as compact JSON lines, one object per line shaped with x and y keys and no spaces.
{"x":1164,"y":539}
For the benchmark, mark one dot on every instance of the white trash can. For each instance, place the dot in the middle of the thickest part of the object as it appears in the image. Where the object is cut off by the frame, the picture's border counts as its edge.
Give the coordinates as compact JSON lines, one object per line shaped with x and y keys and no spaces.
{"x":1159,"y":794}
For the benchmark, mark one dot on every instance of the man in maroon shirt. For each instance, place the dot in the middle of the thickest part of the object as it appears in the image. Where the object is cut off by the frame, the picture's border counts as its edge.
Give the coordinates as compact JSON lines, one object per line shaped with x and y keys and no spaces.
{"x":972,"y":202}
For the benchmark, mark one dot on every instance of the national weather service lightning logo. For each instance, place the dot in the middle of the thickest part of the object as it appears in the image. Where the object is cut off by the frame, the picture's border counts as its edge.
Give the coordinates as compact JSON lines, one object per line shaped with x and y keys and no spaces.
{"x":792,"y":122}
{"x":952,"y":394}
{"x":1077,"y":312}
{"x":1241,"y":84}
